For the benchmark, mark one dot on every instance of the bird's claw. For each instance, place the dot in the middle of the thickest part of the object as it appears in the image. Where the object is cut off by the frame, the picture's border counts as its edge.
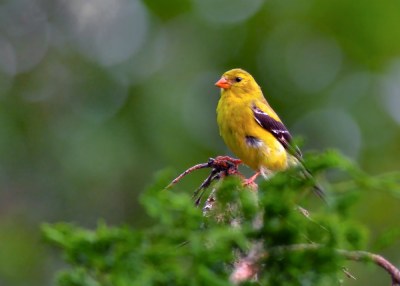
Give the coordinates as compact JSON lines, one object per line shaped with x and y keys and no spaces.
{"x":250,"y":181}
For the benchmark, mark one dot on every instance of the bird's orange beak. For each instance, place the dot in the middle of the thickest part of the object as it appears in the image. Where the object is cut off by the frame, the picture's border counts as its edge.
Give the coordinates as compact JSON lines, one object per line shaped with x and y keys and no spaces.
{"x":223,"y":83}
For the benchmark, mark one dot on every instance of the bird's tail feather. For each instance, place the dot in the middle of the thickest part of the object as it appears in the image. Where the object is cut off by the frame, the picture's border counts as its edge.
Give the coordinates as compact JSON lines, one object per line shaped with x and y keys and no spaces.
{"x":316,"y":188}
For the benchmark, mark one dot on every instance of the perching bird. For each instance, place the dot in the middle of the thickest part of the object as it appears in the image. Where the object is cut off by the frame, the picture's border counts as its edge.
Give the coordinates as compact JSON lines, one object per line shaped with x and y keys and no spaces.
{"x":252,"y":129}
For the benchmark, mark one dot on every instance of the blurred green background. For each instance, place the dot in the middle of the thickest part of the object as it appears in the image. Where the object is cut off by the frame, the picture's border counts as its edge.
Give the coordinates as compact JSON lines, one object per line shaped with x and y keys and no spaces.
{"x":98,"y":95}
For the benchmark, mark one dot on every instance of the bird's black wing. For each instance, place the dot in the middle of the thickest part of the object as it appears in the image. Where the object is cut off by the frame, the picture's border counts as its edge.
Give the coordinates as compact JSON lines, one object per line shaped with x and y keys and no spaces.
{"x":278,"y":129}
{"x":280,"y":132}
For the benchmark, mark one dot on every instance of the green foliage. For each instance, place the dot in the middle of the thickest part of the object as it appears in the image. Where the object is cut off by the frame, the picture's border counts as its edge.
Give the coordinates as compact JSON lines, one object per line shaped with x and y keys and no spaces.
{"x":188,"y":246}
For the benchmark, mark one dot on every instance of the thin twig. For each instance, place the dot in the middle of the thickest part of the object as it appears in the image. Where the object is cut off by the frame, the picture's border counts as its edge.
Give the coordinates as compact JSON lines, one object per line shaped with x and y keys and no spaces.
{"x":349,"y":255}
{"x":214,"y":175}
{"x":188,"y":171}
{"x":379,"y":260}
{"x":348,"y":274}
{"x":307,"y":215}
{"x":247,"y":267}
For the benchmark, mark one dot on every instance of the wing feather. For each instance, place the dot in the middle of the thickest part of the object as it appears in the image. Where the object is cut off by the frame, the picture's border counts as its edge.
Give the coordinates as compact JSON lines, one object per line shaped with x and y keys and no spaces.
{"x":280,"y":132}
{"x":278,"y":129}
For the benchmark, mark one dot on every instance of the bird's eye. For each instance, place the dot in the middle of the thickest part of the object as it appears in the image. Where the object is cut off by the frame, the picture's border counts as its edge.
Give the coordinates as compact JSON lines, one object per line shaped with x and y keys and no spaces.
{"x":238,"y":79}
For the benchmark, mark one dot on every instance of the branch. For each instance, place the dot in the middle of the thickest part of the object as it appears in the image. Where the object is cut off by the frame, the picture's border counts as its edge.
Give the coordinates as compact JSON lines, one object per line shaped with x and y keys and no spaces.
{"x":188,"y":171}
{"x":224,"y":164}
{"x":221,"y":166}
{"x":248,"y":266}
{"x":375,"y":258}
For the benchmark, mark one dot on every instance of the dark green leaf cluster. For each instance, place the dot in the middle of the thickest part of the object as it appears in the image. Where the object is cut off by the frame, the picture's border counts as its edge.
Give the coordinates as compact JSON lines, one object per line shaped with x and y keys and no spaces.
{"x":189,"y":246}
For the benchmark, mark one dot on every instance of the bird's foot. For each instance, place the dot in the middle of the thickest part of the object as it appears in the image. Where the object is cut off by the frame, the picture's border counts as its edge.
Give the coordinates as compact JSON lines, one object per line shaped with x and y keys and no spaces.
{"x":250,"y":181}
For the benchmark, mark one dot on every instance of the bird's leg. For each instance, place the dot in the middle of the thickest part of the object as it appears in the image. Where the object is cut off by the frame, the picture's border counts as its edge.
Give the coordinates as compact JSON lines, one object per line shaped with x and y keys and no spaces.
{"x":250,"y":181}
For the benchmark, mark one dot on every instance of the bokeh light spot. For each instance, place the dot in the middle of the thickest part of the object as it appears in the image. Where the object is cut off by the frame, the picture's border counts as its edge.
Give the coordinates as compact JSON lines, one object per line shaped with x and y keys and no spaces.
{"x":108,"y":31}
{"x":199,"y":107}
{"x":351,"y":88}
{"x":390,"y":85}
{"x":313,"y":62}
{"x":8,"y":65}
{"x":25,"y":25}
{"x":330,"y":128}
{"x":227,"y":11}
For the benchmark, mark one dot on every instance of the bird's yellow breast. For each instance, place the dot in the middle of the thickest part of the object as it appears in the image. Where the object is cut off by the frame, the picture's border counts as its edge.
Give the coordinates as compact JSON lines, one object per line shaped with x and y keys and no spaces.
{"x":255,"y":146}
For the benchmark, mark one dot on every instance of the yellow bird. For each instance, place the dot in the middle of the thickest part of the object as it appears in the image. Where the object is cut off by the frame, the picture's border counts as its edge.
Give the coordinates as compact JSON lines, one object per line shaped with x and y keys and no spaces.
{"x":251,"y":128}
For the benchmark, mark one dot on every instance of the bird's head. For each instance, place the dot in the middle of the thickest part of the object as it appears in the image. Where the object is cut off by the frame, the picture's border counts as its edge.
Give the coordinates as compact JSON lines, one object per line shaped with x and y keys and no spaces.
{"x":238,"y":81}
